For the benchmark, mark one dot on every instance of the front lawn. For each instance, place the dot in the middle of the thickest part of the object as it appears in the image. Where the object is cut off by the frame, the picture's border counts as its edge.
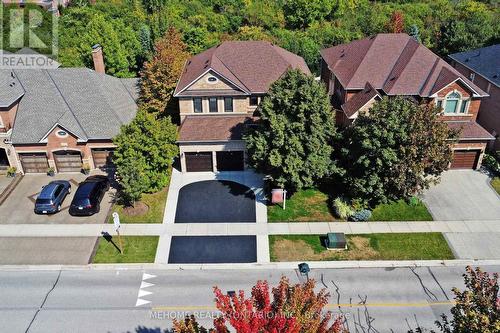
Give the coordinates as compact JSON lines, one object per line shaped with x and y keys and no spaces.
{"x":495,"y":183}
{"x":136,"y":249}
{"x":311,"y":205}
{"x":154,"y":201}
{"x":401,"y":211}
{"x":397,"y":246}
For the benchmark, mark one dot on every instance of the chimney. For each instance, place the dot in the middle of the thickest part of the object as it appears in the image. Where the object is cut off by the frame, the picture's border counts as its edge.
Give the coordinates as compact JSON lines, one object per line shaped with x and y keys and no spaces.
{"x":98,"y":59}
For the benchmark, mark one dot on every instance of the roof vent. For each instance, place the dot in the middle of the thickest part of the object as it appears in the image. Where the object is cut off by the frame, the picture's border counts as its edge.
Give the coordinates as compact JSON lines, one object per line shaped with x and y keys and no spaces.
{"x":393,"y":78}
{"x":207,"y":61}
{"x":373,"y":37}
{"x":495,"y":76}
{"x":12,"y":74}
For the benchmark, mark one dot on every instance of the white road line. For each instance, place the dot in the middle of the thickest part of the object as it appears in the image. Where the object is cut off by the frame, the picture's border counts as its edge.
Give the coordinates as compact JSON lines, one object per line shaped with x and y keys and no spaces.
{"x":142,"y":293}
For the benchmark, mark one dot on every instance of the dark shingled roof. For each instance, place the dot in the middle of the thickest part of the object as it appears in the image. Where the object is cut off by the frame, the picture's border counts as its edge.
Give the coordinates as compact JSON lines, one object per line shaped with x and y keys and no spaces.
{"x":213,"y":128}
{"x":484,"y":61}
{"x":470,"y":130}
{"x":359,"y":100}
{"x":394,"y":63}
{"x":250,"y":65}
{"x":88,"y":104}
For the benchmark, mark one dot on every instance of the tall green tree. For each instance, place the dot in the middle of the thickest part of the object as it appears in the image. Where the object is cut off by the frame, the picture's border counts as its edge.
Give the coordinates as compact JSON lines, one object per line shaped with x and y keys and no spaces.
{"x":151,"y":142}
{"x":160,"y":74}
{"x":292,"y":141}
{"x":299,"y":14}
{"x":395,"y":150}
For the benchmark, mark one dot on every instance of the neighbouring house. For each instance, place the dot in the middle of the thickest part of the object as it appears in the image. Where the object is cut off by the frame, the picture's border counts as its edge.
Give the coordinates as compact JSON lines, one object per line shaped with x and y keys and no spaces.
{"x":64,"y":118}
{"x":482,"y":67}
{"x":219,"y":91}
{"x":359,"y":73}
{"x":51,"y":5}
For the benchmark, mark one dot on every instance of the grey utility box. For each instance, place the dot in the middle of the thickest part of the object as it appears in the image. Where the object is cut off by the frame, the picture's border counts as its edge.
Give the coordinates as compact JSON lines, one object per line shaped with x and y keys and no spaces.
{"x":336,"y":240}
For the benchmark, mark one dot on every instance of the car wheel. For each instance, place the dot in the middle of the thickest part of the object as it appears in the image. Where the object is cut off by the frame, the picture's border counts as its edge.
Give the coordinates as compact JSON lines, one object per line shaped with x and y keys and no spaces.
{"x":58,"y":208}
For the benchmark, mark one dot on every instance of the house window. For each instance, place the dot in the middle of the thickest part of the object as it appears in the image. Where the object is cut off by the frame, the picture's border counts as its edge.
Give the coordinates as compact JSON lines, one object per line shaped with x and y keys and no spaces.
{"x":198,"y":105}
{"x":464,"y":107}
{"x":452,"y":101}
{"x":212,"y":79}
{"x":61,"y":134}
{"x":212,"y":102}
{"x":454,"y":104}
{"x":439,"y":104}
{"x":254,"y":100}
{"x":228,"y":104}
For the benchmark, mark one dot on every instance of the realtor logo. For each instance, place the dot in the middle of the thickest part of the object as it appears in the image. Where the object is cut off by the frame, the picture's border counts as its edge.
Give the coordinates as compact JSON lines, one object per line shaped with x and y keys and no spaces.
{"x":29,"y":37}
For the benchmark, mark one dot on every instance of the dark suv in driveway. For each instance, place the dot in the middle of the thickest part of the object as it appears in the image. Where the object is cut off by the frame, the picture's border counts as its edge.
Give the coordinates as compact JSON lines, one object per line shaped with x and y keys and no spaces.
{"x":51,"y":197}
{"x":87,"y":199}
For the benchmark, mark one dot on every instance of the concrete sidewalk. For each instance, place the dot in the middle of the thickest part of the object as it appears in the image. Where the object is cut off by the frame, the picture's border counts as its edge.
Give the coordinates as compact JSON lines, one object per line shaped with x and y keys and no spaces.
{"x":215,"y":229}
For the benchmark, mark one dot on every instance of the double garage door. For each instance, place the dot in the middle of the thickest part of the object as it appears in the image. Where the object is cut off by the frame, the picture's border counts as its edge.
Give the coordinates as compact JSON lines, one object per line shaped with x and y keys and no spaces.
{"x":465,"y":159}
{"x":226,"y":161}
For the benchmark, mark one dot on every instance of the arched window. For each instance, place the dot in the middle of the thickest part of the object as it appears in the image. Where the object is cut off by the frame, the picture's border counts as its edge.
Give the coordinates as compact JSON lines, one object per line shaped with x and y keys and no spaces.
{"x":452,"y":102}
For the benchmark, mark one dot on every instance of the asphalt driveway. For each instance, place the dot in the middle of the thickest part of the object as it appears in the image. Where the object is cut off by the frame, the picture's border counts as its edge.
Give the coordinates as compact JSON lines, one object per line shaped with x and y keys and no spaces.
{"x":215,"y":201}
{"x":18,"y":207}
{"x":212,"y":249}
{"x":463,"y":195}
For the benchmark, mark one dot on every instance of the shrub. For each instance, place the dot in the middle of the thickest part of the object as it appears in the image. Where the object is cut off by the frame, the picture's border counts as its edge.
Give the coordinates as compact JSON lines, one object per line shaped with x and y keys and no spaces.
{"x":491,"y":162}
{"x":11,"y":171}
{"x":342,"y":208}
{"x":414,"y":201}
{"x":361,"y":215}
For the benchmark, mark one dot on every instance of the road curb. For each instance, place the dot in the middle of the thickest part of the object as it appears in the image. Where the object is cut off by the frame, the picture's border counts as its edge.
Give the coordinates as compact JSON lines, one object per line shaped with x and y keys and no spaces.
{"x":254,"y":266}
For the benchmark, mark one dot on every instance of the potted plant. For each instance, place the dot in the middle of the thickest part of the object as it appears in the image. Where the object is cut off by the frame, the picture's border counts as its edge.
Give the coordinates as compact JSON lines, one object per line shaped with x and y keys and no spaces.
{"x":11,"y":172}
{"x":86,"y":169}
{"x":51,"y":171}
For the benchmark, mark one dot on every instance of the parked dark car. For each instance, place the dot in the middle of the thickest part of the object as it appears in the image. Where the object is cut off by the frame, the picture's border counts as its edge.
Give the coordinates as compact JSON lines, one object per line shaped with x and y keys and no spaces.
{"x":51,"y":197}
{"x":88,"y":196}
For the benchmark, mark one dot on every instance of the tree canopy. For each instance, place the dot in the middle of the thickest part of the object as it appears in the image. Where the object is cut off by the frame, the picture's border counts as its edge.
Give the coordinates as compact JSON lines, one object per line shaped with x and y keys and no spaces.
{"x":300,"y":26}
{"x":395,"y":150}
{"x":160,"y":74}
{"x":293,"y":309}
{"x":292,"y":140}
{"x":145,"y":152}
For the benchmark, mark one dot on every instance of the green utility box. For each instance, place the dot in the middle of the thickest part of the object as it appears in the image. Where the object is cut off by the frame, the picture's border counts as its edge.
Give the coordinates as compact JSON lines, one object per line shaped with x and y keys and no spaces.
{"x":335,"y":241}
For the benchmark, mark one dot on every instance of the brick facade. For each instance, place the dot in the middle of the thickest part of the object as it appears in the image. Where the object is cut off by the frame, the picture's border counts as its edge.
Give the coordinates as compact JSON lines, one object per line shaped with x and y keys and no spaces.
{"x":489,"y":110}
{"x":56,"y":143}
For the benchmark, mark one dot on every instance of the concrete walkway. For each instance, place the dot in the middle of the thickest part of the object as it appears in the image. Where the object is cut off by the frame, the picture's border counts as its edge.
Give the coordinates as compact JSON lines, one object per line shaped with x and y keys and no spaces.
{"x":214,"y":229}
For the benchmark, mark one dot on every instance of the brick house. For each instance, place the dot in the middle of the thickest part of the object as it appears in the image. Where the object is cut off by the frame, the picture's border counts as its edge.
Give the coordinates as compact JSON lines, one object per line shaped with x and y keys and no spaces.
{"x":482,"y":67}
{"x":359,"y":73}
{"x":218,"y":92}
{"x":63,"y":118}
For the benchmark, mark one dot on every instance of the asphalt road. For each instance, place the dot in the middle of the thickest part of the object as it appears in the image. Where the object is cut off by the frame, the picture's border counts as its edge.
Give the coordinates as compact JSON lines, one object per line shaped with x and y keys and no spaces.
{"x":373,"y":300}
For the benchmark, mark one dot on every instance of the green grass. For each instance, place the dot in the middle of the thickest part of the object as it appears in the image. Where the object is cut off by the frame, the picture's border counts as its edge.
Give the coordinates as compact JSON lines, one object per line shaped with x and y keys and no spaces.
{"x":312,"y":206}
{"x":136,"y":249}
{"x":495,"y":183}
{"x":401,"y":211}
{"x":156,"y":203}
{"x":304,"y":206}
{"x":397,"y":246}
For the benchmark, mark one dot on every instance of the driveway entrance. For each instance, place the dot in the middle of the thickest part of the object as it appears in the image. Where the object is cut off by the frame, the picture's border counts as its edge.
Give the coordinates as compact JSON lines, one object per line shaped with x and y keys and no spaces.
{"x":463,"y":195}
{"x":215,"y":201}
